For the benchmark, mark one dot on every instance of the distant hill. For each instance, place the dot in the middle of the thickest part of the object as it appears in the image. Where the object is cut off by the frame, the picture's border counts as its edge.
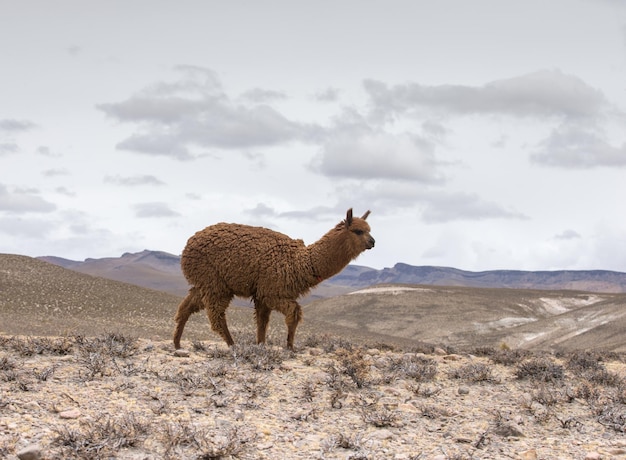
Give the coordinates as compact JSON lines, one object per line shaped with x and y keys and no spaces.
{"x":151,"y":269}
{"x":44,"y":299}
{"x":160,"y":270}
{"x":464,"y":317}
{"x":583,"y":280}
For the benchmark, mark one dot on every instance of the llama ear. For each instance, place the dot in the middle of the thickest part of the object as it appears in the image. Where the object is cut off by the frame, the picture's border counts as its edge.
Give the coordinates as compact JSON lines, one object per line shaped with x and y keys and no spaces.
{"x":349,"y":217}
{"x":365,"y":215}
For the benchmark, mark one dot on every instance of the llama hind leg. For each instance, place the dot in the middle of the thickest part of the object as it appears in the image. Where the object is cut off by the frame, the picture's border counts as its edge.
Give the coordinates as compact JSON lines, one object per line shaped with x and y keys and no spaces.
{"x":262,"y":313}
{"x":190,"y":304}
{"x":293,"y":315}
{"x":217,"y":318}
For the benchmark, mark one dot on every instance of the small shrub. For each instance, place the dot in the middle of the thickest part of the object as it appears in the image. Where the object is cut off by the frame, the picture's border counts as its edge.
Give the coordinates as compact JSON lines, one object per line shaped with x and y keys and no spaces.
{"x":613,"y":416}
{"x":584,"y":361}
{"x":198,"y":346}
{"x":177,"y":437}
{"x":215,"y":446}
{"x":337,"y":386}
{"x":355,"y":366}
{"x":483,"y":351}
{"x":344,"y":441}
{"x":546,"y":396}
{"x":7,"y":445}
{"x":604,"y":377}
{"x":308,"y":391}
{"x":113,"y":345}
{"x":426,"y":391}
{"x":415,"y":367}
{"x":261,"y":357}
{"x":509,"y":357}
{"x":255,"y":387}
{"x":7,"y":364}
{"x":587,"y":392}
{"x":431,"y":411}
{"x":103,"y":437}
{"x":30,"y":346}
{"x":44,"y":374}
{"x":328,"y":343}
{"x":95,"y":363}
{"x":472,"y":372}
{"x":540,"y":369}
{"x":380,"y":417}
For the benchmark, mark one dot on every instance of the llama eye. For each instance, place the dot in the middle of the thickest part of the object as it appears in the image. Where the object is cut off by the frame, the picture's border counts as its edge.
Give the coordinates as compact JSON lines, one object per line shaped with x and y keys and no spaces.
{"x":358,"y":232}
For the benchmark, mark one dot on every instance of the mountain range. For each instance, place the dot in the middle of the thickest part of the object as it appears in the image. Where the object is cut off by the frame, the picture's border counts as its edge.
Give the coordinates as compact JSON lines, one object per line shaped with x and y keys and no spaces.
{"x":45,"y":299}
{"x":161,"y":271}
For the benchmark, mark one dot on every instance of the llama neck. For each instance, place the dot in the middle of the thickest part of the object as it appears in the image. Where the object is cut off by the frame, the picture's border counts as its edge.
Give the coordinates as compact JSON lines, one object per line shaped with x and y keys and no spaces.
{"x":329,"y":255}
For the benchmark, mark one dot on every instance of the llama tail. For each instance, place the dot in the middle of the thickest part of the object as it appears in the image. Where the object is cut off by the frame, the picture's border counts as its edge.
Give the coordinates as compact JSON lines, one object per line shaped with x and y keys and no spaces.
{"x":190,"y":304}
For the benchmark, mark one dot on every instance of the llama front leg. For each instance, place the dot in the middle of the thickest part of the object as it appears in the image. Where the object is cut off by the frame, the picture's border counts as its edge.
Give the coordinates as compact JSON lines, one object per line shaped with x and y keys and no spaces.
{"x":262,"y":313}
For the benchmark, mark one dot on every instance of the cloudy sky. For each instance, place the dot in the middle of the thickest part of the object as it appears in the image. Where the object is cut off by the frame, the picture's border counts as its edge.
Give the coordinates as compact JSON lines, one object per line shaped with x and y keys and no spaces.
{"x":482,"y":135}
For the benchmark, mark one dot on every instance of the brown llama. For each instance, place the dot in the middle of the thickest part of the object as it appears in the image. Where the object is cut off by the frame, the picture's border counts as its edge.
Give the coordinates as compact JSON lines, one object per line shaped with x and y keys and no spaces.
{"x":227,"y":260}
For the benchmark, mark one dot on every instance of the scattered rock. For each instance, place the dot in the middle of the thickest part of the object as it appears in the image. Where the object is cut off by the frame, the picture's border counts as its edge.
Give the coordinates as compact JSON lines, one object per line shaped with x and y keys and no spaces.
{"x":32,"y":405}
{"x":462,"y":440}
{"x":181,"y":353}
{"x":463,"y":391}
{"x":381,"y":435}
{"x":70,"y":414}
{"x":452,"y":357}
{"x":529,"y":455}
{"x":508,"y":431}
{"x":31,"y":452}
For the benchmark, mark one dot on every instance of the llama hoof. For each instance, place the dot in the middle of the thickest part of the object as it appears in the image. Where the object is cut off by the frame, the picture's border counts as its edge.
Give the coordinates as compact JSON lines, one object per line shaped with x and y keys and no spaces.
{"x":181,"y":353}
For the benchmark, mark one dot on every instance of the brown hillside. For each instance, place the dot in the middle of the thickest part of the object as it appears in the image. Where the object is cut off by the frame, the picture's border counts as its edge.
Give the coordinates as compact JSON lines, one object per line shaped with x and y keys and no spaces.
{"x":465,"y":317}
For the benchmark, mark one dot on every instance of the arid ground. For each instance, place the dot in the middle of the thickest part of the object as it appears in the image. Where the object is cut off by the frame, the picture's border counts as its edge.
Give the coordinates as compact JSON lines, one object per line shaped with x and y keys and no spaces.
{"x":87,"y":370}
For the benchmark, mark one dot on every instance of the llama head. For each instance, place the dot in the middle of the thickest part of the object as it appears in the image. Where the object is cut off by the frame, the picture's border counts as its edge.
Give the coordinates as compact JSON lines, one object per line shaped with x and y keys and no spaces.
{"x":359,"y":231}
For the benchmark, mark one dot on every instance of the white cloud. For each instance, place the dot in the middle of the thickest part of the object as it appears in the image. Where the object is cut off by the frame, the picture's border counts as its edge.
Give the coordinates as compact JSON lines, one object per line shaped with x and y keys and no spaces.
{"x":55,"y":172}
{"x":378,"y":155}
{"x":154,"y":209}
{"x":22,"y":227}
{"x":174,"y":119}
{"x":9,"y":128}
{"x":12,"y":126}
{"x":8,"y":147}
{"x":65,"y":191}
{"x":132,"y":181}
{"x":23,"y":201}
{"x":448,"y":207}
{"x":542,"y":93}
{"x":45,"y":151}
{"x":261,"y":210}
{"x":576,"y":146}
{"x":263,"y":96}
{"x":568,"y":235}
{"x":328,"y":95}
